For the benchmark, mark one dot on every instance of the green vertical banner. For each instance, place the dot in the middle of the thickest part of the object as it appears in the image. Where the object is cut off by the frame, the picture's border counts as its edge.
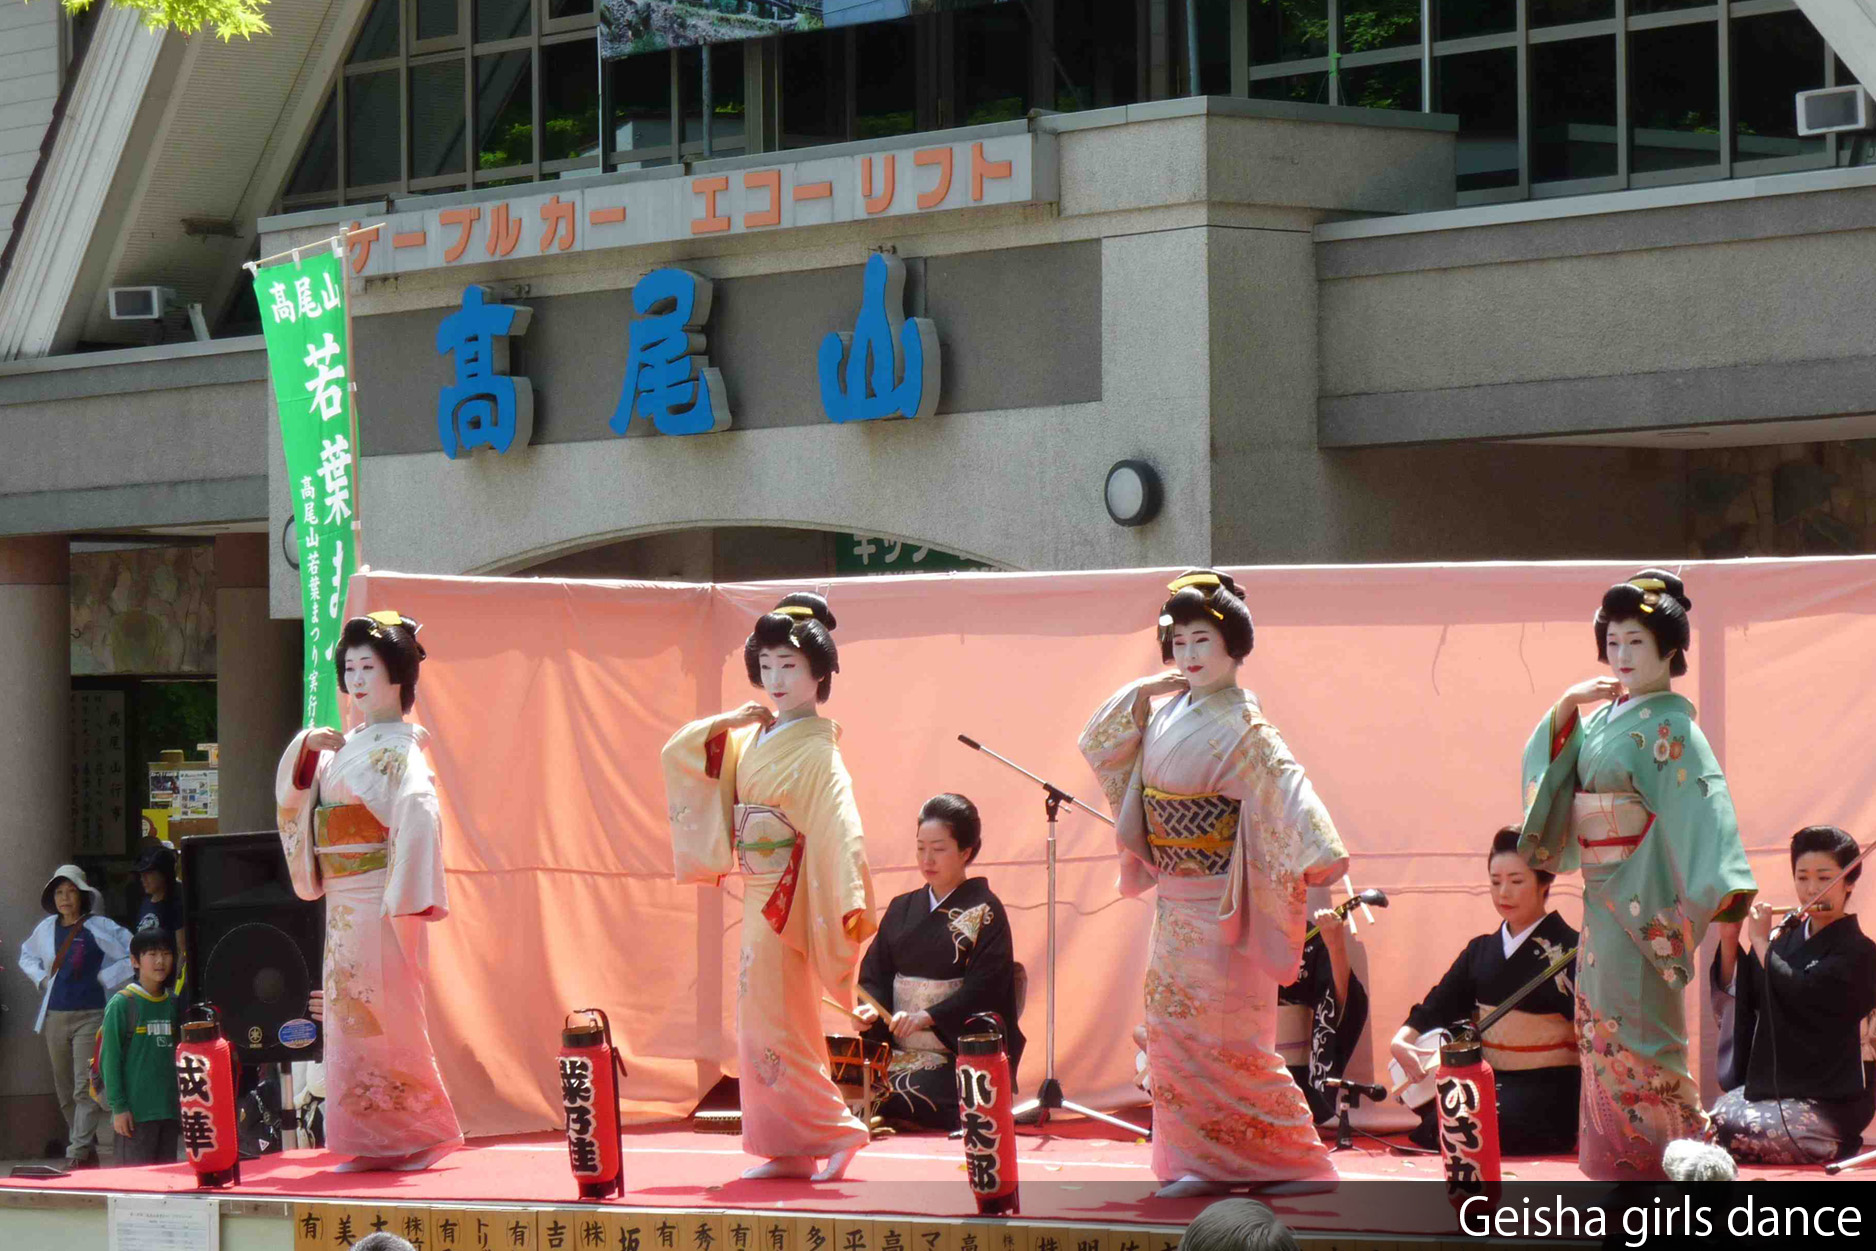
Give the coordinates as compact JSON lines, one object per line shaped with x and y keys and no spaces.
{"x":302,"y":304}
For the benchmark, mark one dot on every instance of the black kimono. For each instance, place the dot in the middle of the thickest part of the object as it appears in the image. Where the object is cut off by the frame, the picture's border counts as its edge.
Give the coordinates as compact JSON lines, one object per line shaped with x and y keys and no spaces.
{"x":1316,"y":1036}
{"x":1532,"y":1049}
{"x":951,"y":963}
{"x":1803,"y":1047}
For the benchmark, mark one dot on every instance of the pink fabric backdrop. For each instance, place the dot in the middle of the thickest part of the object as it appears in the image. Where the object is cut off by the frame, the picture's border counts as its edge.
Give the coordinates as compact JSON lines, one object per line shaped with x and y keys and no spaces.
{"x":1406,"y":691}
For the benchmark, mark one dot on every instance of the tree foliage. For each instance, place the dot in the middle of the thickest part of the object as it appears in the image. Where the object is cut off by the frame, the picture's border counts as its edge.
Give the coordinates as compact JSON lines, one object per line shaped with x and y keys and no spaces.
{"x":228,"y":17}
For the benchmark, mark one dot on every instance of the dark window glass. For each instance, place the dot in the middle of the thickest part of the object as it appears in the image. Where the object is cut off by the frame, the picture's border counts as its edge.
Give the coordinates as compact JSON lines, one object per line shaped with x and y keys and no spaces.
{"x":1774,"y":58}
{"x":1573,"y":131}
{"x":437,"y":19}
{"x":726,"y":94}
{"x":1302,"y":88}
{"x":1392,"y":86}
{"x":1662,"y":6}
{"x":641,"y":105}
{"x":1674,"y":97}
{"x":1844,"y":76}
{"x":568,"y":8}
{"x":569,"y":101}
{"x":1563,"y":12}
{"x":1214,"y":47}
{"x":377,"y":38}
{"x":502,"y":19}
{"x":319,"y":164}
{"x":436,"y":118}
{"x":814,"y":89}
{"x":992,"y":51}
{"x":883,"y":83}
{"x":1481,"y":89}
{"x":1097,"y":46}
{"x":1371,"y":24}
{"x":1288,"y":30}
{"x":1462,"y":19}
{"x":504,"y":110}
{"x":372,"y":114}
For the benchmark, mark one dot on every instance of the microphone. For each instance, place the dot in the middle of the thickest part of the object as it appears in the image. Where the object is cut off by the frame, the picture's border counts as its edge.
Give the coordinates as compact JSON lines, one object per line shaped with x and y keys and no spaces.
{"x":1364,"y":1089}
{"x":970,"y":742}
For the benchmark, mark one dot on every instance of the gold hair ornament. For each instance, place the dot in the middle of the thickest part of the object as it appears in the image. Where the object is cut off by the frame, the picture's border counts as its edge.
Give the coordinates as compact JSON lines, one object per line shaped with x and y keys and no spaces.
{"x":1208,"y":580}
{"x":1652,"y":589}
{"x":387,"y":617}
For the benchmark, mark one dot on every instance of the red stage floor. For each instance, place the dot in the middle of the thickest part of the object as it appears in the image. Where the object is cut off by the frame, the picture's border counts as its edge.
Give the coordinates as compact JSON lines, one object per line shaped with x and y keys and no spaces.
{"x":1070,"y":1174}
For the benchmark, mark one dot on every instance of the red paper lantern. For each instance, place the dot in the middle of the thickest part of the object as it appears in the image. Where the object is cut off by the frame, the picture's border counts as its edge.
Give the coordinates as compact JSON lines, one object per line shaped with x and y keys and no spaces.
{"x":1468,"y":1104}
{"x":206,"y":1072}
{"x":984,"y":1104}
{"x":590,"y":1072}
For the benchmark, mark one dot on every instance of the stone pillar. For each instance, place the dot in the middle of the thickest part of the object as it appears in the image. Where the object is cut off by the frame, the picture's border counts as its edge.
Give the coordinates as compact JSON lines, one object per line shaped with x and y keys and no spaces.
{"x":257,"y":669}
{"x":35,"y":822}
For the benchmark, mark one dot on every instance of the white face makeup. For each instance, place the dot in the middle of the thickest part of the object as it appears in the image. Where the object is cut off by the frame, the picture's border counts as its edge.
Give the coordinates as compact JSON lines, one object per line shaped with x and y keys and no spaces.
{"x":1198,"y":652}
{"x":786,"y":679}
{"x":368,"y":684}
{"x":1809,"y":875}
{"x":1636,"y":659}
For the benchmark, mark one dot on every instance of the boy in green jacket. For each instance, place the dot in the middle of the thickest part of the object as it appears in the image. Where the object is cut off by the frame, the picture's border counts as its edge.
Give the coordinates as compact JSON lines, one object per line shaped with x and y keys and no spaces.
{"x":139,"y":1056}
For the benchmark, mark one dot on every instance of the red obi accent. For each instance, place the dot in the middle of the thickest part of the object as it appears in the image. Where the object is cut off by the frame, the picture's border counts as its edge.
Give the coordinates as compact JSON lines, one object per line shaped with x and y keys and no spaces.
{"x":713,"y":753}
{"x":1626,"y":840}
{"x":782,"y":899}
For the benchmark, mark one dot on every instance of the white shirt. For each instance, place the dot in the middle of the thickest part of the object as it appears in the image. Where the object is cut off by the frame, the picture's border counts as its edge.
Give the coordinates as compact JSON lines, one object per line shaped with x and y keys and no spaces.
{"x":1514,"y":941}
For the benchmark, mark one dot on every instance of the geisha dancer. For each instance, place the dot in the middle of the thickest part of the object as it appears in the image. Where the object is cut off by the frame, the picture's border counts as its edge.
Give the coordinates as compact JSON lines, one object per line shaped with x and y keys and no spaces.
{"x":943,"y":954}
{"x":765,"y":793}
{"x":1213,"y":811}
{"x":358,"y":821}
{"x":1632,"y":795}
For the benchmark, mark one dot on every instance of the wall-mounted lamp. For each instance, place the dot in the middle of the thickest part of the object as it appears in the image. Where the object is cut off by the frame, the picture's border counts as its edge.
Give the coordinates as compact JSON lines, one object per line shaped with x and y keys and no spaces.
{"x":1133,"y":493}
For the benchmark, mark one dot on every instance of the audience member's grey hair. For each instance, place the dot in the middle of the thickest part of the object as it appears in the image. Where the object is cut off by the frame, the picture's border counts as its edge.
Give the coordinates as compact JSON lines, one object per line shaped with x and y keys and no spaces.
{"x":1690,"y":1160}
{"x":382,"y":1241}
{"x":1238,"y":1225}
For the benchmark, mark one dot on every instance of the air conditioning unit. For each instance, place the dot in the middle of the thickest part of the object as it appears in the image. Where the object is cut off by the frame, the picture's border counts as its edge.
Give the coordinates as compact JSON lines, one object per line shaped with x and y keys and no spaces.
{"x":1833,"y":110}
{"x":142,"y":303}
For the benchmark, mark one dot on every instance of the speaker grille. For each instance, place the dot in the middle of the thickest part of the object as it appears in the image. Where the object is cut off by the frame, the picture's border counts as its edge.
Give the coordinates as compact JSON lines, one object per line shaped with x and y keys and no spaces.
{"x":257,"y":980}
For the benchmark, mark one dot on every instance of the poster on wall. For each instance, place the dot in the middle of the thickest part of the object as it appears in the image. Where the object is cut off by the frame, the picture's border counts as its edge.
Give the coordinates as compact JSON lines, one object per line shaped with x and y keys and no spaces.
{"x":98,"y":772}
{"x":628,"y":27}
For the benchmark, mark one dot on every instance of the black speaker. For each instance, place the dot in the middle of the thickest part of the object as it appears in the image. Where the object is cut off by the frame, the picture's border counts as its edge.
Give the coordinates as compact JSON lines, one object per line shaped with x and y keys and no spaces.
{"x":255,"y":948}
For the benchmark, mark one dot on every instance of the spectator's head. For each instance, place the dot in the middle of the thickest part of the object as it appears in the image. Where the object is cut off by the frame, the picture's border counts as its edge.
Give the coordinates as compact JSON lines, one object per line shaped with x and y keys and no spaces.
{"x":1237,"y":1225}
{"x":382,"y":1241}
{"x":153,"y":955}
{"x":950,"y":834}
{"x":156,"y":867}
{"x":1820,"y":856}
{"x":1690,"y":1160}
{"x":376,"y":653}
{"x":68,"y":894}
{"x":1519,"y":892}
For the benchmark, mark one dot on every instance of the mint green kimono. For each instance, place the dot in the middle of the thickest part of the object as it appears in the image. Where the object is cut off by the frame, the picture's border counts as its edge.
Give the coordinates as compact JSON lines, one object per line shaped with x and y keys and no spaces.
{"x":1633,"y":797}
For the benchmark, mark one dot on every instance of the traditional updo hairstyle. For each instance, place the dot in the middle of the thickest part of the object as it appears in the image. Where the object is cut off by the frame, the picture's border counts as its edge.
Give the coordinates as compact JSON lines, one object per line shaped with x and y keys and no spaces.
{"x":1656,"y":599}
{"x":393,"y":636}
{"x":804,"y":622}
{"x":1205,"y":595}
{"x":1504,"y":843}
{"x":1833,"y":842}
{"x":960,"y":817}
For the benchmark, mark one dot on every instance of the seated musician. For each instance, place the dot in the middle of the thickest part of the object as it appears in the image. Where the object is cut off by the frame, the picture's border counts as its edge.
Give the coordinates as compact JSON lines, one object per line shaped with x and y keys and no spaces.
{"x":1800,"y":1000}
{"x":943,"y":953}
{"x":1532,"y":1048}
{"x":1321,"y":1014}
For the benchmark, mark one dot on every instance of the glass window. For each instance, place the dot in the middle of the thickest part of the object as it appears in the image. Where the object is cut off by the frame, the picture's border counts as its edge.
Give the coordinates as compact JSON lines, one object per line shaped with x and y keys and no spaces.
{"x":814,"y":89}
{"x":1302,"y":88}
{"x":1371,"y":24}
{"x":1214,"y":46}
{"x":1463,"y":19}
{"x":1573,"y":87}
{"x":1564,"y":12}
{"x":319,"y":164}
{"x":1288,"y":30}
{"x":1481,"y":90}
{"x":992,"y":50}
{"x":557,"y":9}
{"x":377,"y":38}
{"x":726,"y":93}
{"x":641,"y":103}
{"x":1636,"y":7}
{"x":504,"y":110}
{"x":884,"y":90}
{"x":1774,"y":58}
{"x":1674,"y":97}
{"x":502,"y":19}
{"x":569,"y":100}
{"x":372,"y":116}
{"x":1098,"y":47}
{"x":1392,"y":86}
{"x":436,"y":118}
{"x":437,"y":19}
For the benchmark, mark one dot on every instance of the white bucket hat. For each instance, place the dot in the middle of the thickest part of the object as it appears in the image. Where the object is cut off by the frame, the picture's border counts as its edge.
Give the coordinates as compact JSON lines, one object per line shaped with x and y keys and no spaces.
{"x":76,"y":876}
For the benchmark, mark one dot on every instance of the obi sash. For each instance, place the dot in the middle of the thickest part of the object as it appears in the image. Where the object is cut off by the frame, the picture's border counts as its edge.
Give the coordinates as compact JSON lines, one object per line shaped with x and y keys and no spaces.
{"x":1529,"y":1040}
{"x":1296,"y":1026}
{"x":767,"y":843}
{"x":349,"y":840}
{"x":1608,"y":826}
{"x":1190,"y":835}
{"x":918,"y":994}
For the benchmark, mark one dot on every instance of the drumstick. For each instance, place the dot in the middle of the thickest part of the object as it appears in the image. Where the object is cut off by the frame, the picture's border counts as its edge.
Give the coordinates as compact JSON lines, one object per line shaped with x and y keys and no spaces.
{"x":829,"y":1001}
{"x":866,"y":999}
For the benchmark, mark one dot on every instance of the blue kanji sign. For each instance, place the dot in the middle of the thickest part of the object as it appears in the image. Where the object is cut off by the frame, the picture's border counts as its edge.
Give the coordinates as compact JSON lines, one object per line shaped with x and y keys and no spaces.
{"x":484,"y":407}
{"x":888,"y":366}
{"x":668,"y":376}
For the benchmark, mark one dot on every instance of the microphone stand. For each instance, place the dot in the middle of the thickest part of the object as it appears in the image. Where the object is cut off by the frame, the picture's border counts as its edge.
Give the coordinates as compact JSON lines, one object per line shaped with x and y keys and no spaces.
{"x":1049,"y":1095}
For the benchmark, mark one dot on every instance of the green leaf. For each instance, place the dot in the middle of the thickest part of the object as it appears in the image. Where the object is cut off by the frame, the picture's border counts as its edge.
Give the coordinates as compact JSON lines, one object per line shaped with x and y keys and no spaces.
{"x":228,"y":17}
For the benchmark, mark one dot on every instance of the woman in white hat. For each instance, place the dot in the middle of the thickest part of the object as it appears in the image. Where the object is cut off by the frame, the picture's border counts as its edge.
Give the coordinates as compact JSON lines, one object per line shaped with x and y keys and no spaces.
{"x":77,"y":959}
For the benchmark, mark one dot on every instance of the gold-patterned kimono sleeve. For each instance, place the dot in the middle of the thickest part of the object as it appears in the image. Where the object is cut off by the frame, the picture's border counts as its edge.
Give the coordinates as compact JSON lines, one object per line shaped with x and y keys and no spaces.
{"x":293,"y":805}
{"x":700,"y":793}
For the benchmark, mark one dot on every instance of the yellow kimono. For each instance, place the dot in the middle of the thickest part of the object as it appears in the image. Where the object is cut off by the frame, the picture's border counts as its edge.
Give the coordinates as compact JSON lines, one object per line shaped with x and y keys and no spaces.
{"x":778,"y":807}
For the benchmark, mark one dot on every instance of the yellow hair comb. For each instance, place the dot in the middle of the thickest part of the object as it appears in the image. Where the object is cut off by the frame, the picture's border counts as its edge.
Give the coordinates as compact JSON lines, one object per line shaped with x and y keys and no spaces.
{"x":1194,"y":579}
{"x":1651,"y":589}
{"x":796,"y":611}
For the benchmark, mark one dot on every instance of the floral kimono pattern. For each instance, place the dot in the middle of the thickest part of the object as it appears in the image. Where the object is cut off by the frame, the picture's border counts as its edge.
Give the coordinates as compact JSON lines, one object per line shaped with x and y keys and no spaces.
{"x":1215,"y":815}
{"x":780,"y":810}
{"x":384,"y":1095}
{"x":1633,"y":797}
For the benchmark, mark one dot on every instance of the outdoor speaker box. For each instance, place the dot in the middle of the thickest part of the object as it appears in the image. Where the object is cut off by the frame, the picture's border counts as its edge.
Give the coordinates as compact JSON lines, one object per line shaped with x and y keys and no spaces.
{"x":255,"y":949}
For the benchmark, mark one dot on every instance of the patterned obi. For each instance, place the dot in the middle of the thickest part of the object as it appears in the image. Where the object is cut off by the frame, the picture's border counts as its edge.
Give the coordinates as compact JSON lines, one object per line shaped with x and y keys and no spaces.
{"x":764,"y":840}
{"x":349,"y":840}
{"x":1608,"y":826}
{"x":917,"y":994}
{"x":1190,"y":835}
{"x":1529,"y":1040}
{"x":1296,"y":1024}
